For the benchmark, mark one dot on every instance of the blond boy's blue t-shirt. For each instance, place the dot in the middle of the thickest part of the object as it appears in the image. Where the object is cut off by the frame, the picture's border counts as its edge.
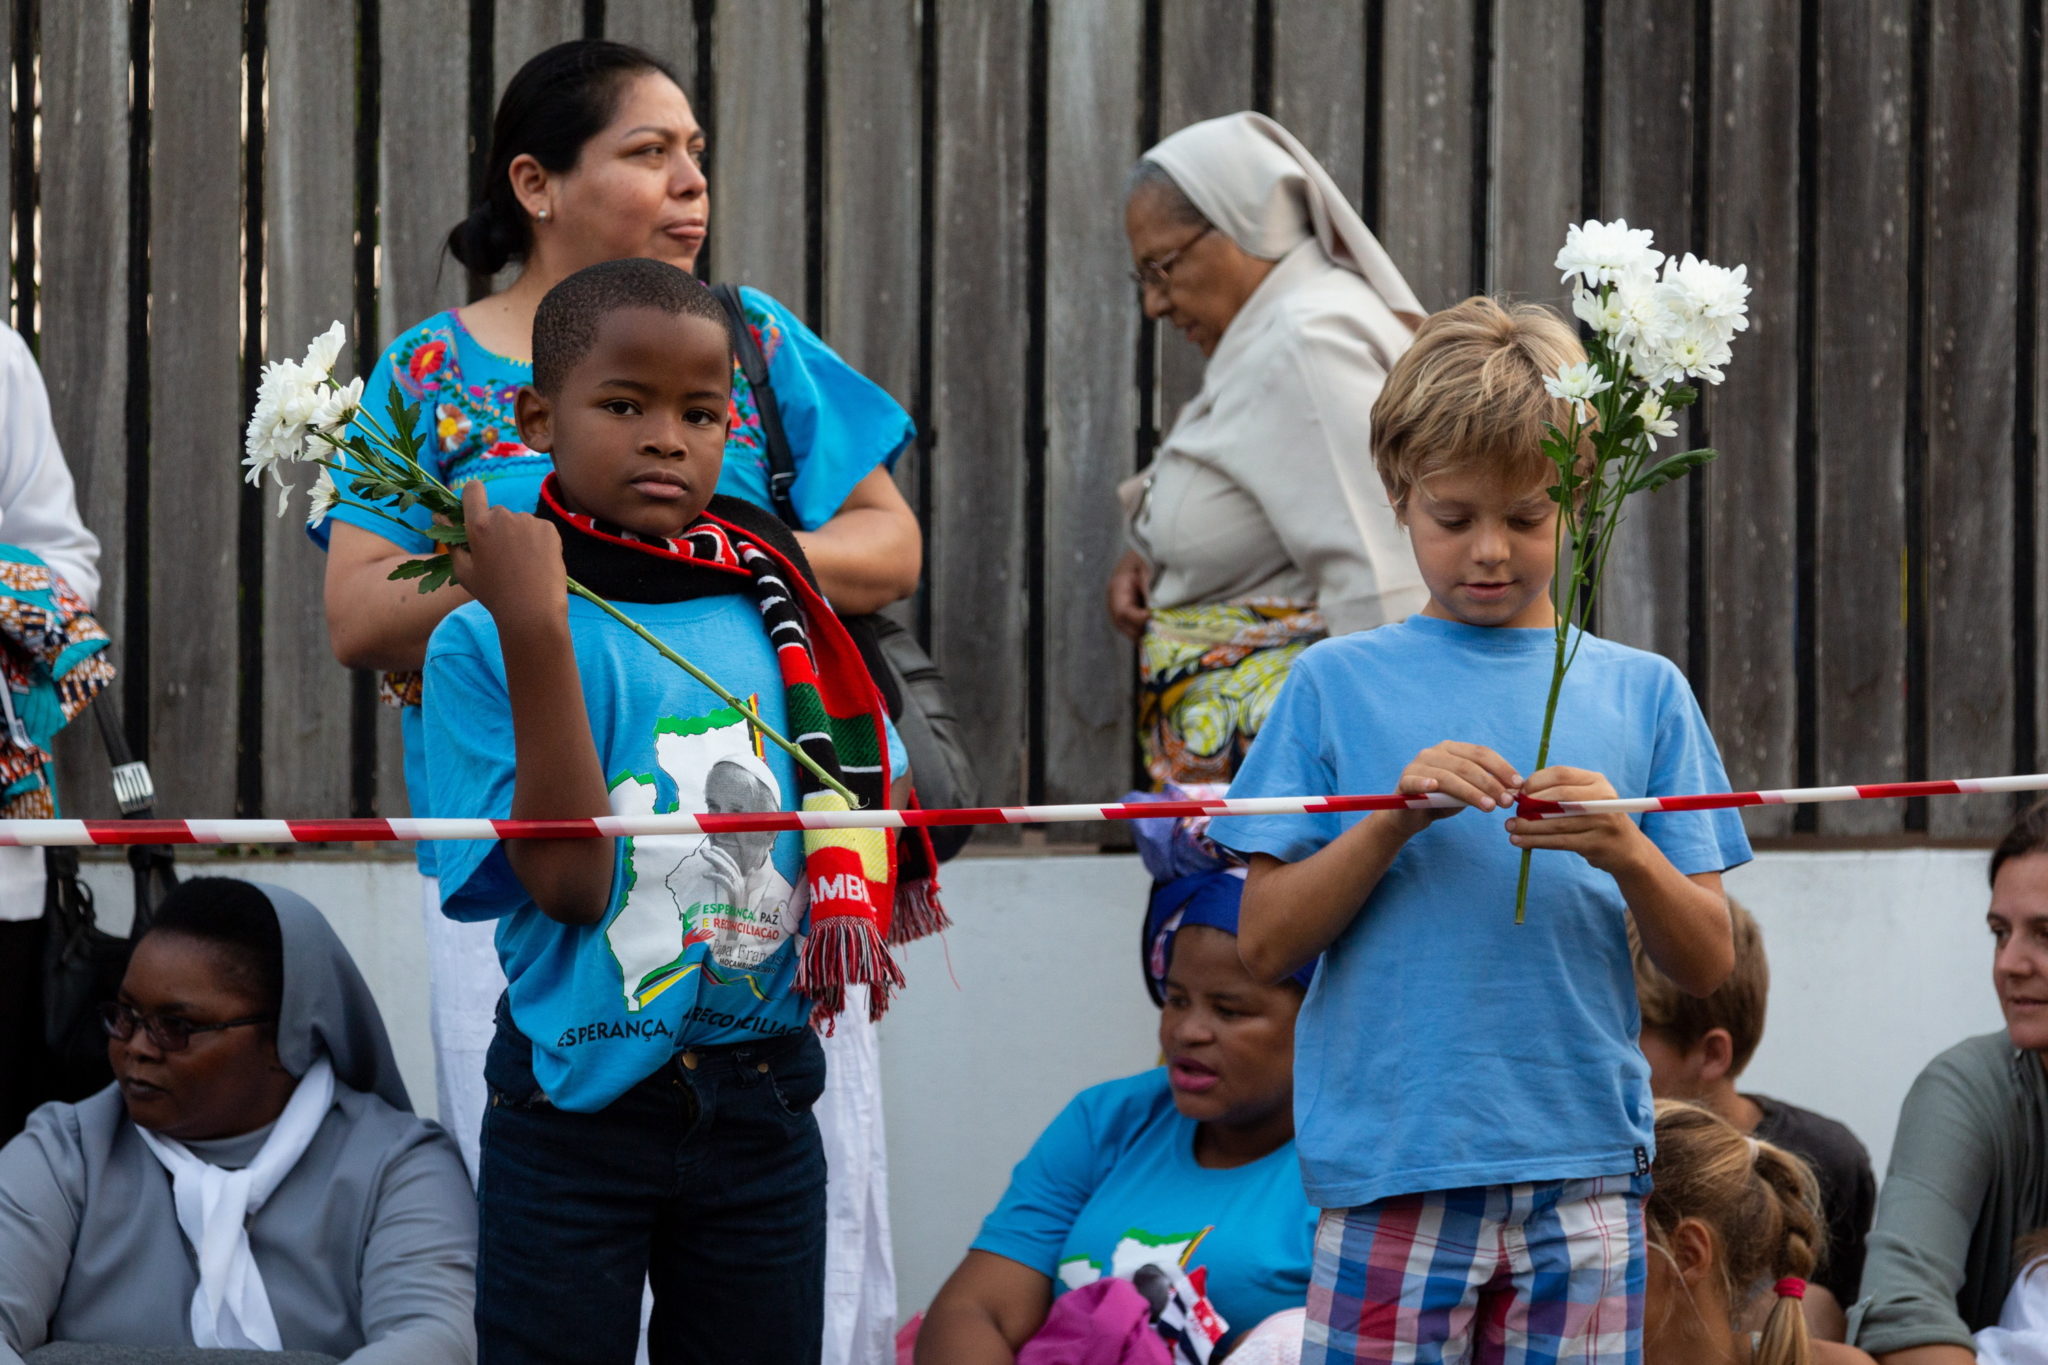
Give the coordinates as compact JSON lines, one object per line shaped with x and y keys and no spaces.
{"x":1443,"y":1045}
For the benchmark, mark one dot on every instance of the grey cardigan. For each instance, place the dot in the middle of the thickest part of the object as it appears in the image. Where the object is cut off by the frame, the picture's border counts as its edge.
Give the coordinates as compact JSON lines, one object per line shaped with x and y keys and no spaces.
{"x":1968,"y":1177}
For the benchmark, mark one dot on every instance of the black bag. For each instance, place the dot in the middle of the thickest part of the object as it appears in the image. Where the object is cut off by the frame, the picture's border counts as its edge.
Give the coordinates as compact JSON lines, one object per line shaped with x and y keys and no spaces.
{"x":83,"y":963}
{"x":921,"y":705}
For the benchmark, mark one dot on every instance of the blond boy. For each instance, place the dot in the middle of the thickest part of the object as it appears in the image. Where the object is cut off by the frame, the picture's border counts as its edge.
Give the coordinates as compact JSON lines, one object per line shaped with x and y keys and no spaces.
{"x":1472,"y":1113}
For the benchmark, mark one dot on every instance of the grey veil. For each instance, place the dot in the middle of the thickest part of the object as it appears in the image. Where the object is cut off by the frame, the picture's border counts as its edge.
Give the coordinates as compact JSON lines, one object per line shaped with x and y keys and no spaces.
{"x":328,"y":1008}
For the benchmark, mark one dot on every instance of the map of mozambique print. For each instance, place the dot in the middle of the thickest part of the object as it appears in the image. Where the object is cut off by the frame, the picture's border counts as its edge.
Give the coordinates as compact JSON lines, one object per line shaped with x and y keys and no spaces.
{"x":720,"y":890}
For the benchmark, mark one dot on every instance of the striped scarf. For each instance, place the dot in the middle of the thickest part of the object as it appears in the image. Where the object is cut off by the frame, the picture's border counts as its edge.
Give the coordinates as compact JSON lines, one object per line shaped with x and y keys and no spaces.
{"x":867,"y":889}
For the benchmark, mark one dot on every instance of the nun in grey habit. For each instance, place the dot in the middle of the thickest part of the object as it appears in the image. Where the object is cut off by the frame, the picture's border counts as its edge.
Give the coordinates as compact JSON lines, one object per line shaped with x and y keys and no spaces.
{"x":346,"y":1227}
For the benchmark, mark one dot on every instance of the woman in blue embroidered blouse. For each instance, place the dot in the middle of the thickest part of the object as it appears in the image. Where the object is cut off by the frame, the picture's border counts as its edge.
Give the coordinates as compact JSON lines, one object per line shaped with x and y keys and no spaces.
{"x":596,"y":155}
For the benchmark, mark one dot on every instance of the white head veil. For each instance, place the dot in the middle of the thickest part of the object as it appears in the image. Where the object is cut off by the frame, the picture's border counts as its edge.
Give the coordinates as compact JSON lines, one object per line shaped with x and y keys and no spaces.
{"x":1262,"y":189}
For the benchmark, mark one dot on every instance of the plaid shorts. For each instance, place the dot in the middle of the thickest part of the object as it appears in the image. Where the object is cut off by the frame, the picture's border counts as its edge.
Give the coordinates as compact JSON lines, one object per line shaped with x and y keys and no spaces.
{"x":1536,"y":1274}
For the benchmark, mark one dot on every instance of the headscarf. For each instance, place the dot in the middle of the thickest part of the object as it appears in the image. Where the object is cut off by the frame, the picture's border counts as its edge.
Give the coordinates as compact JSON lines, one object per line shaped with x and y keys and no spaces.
{"x":327,"y":1009}
{"x":328,"y":1030}
{"x":1206,"y":898}
{"x":1262,"y":189}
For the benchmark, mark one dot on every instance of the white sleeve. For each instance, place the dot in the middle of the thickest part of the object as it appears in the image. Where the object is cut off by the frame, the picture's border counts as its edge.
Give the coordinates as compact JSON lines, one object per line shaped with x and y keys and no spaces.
{"x":38,"y":507}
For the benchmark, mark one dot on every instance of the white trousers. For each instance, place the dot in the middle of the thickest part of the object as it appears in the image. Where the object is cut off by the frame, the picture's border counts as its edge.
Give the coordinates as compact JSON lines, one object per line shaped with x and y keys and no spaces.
{"x":464,"y":982}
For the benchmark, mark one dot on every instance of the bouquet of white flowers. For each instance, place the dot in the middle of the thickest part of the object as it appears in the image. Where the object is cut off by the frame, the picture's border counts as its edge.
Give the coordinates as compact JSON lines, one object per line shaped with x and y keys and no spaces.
{"x":303,"y":416}
{"x":1652,"y":332}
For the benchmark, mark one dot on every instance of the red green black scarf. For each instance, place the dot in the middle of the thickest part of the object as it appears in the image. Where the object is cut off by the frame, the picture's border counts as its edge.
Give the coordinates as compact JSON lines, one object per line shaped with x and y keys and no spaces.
{"x":868,"y":888}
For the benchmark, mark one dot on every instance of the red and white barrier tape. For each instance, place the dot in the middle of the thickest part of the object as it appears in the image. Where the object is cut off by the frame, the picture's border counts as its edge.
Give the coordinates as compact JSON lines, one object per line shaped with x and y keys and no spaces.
{"x":80,"y":832}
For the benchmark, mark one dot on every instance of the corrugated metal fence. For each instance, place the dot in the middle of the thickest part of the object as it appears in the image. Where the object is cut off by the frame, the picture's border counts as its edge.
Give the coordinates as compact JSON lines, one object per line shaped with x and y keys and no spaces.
{"x":1854,"y":588}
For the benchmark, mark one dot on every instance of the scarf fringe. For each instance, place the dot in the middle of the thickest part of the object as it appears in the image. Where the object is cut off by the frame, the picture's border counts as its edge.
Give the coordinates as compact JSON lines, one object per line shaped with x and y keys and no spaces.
{"x":918,"y":912}
{"x":840,"y":951}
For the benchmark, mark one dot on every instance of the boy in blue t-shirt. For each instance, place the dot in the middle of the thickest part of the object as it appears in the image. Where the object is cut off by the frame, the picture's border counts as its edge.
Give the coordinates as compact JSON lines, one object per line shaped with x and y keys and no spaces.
{"x":653,"y":1073}
{"x":1472,"y":1113}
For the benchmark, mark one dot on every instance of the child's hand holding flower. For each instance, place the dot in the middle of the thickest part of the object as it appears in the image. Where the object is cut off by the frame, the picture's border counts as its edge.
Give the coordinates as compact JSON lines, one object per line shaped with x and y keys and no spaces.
{"x":1612,"y":843}
{"x":512,"y":562}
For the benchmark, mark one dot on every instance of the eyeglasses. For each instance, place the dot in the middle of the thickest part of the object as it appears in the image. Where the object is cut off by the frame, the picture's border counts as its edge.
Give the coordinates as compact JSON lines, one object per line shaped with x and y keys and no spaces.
{"x":169,"y":1032}
{"x":1153,"y":273}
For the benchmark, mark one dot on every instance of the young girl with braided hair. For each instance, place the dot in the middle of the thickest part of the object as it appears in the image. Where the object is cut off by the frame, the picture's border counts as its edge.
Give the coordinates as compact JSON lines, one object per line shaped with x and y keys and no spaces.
{"x":1734,"y":1225}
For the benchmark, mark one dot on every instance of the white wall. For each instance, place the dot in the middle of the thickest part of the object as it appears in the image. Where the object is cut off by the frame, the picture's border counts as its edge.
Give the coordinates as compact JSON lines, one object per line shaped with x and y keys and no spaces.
{"x":1879,"y":961}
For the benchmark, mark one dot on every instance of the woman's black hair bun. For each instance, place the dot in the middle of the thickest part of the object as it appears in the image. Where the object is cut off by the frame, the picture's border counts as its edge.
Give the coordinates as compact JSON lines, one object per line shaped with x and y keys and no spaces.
{"x":483,"y":242}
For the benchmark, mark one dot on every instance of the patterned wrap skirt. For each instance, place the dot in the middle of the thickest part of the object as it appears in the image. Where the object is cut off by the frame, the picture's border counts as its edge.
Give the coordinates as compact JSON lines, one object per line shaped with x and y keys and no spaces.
{"x":1208,"y":676}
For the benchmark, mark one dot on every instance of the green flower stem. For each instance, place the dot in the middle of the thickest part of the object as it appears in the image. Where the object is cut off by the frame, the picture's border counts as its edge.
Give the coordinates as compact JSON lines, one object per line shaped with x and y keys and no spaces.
{"x":753,"y":717}
{"x":1564,"y":605}
{"x":373,"y":511}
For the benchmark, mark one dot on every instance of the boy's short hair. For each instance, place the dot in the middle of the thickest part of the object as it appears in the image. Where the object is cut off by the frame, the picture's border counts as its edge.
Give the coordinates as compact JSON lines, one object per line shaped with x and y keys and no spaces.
{"x":1737,"y":1005}
{"x":1468,"y":394}
{"x":565,"y":325}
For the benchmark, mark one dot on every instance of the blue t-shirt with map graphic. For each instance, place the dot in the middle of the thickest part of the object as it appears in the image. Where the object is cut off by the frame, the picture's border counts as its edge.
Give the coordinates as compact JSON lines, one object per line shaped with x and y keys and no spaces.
{"x":1112,"y":1185}
{"x":697,"y":944}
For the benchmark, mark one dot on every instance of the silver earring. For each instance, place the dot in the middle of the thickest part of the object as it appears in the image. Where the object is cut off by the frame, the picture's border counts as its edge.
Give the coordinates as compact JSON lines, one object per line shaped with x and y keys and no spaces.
{"x":543,"y":215}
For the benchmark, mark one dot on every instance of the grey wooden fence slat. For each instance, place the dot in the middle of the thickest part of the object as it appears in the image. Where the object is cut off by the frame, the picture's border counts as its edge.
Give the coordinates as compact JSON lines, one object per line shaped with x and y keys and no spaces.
{"x":1319,"y":87}
{"x":1425,"y":193}
{"x":309,"y":196}
{"x":1206,"y":50}
{"x":195,"y":403}
{"x":85,"y":326}
{"x":1091,"y":324}
{"x":422,"y":192}
{"x":422,"y":167}
{"x":666,"y":28}
{"x":872,"y":194}
{"x":1972,"y":205}
{"x":1751,"y":491}
{"x":2040,"y":382}
{"x":1859,"y":271}
{"x":871,"y":189}
{"x":522,"y":28}
{"x":758,"y":152}
{"x":1537,"y":137}
{"x":1645,"y":177}
{"x":2040,"y":424}
{"x":981,"y":292}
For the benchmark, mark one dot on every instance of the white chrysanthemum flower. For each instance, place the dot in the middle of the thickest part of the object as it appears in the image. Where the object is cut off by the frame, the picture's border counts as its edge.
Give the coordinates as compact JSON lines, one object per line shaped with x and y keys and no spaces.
{"x":338,"y":407}
{"x":1576,"y":382}
{"x":1658,"y":420}
{"x":1645,"y":322}
{"x":1698,"y":352}
{"x":321,"y":498}
{"x":1700,"y":288}
{"x":1607,"y":253}
{"x":1603,"y":313}
{"x":325,"y":350}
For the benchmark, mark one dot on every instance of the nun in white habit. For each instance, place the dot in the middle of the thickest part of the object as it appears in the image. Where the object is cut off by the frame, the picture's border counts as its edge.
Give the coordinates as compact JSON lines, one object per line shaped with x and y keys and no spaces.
{"x":1261,"y":526}
{"x":255,"y":1179}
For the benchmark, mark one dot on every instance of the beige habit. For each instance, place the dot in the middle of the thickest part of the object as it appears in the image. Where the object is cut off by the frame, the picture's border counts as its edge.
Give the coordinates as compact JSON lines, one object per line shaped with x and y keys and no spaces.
{"x":1265,"y":486}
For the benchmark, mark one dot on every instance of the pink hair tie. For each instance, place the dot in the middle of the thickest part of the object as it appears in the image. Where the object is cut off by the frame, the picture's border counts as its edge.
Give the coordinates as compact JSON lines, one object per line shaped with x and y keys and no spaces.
{"x":1791,"y":1287}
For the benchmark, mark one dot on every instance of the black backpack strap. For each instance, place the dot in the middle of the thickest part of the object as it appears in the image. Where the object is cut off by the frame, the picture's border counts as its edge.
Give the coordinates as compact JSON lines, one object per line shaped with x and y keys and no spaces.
{"x":781,"y":459}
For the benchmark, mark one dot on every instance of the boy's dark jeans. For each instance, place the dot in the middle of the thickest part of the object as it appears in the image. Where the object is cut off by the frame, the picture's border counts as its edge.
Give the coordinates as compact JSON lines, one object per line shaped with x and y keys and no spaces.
{"x":708,"y":1178}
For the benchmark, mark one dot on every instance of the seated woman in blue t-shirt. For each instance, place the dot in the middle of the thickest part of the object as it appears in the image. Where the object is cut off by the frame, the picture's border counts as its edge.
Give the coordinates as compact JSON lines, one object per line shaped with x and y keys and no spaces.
{"x":1190,"y":1163}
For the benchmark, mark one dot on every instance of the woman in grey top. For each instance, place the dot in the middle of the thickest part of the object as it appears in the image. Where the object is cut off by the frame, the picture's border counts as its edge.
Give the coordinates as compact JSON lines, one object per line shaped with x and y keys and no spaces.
{"x":255,"y":1177}
{"x":1969,"y":1167}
